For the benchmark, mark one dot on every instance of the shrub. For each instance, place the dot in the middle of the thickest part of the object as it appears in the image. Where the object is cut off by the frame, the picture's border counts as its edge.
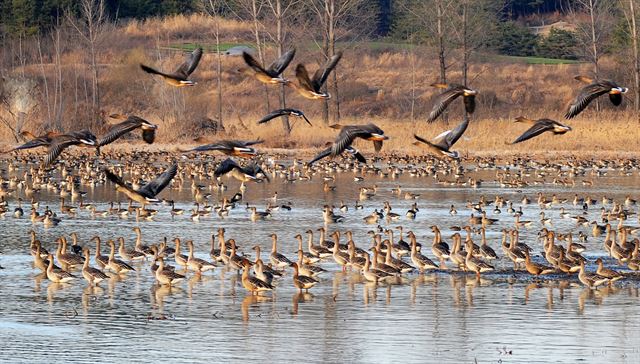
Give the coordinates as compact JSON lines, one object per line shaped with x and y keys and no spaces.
{"x":558,"y":44}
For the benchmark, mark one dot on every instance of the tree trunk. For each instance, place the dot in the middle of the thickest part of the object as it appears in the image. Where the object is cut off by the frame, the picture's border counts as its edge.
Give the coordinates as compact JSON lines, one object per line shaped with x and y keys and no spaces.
{"x":256,"y":33}
{"x":636,"y":61}
{"x":325,"y":51}
{"x":465,"y":45}
{"x":332,"y":52}
{"x":280,"y":40}
{"x":594,"y":45}
{"x":219,"y":72}
{"x":440,"y":36}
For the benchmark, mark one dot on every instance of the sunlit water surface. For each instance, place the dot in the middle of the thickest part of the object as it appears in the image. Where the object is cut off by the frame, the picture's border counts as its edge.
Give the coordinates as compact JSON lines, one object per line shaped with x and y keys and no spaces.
{"x":438,"y":317}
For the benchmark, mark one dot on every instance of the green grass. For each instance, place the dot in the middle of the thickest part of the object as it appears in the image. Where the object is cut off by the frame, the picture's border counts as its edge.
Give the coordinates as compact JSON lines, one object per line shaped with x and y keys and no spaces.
{"x":211,"y":48}
{"x":533,"y":60}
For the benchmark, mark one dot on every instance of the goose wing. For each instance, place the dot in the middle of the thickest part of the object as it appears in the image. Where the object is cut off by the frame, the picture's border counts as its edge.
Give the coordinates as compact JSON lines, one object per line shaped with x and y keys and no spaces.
{"x":57,"y":146}
{"x":586,"y":95}
{"x":154,"y":71}
{"x":347,"y":135}
{"x":280,"y":64}
{"x":442,"y":102}
{"x":254,"y":64}
{"x":452,"y":137}
{"x":538,"y":128}
{"x":151,"y":189}
{"x":303,"y":77}
{"x":325,"y":153}
{"x":274,"y":114}
{"x":118,"y":130}
{"x":320,"y":77}
{"x":113,"y":178}
{"x":190,"y":64}
{"x":225,"y":167}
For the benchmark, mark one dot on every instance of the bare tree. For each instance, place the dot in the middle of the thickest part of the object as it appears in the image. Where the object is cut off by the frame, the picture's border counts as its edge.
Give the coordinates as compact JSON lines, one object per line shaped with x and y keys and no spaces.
{"x":91,"y":27}
{"x":337,"y":20}
{"x":214,"y":7}
{"x":629,"y":10}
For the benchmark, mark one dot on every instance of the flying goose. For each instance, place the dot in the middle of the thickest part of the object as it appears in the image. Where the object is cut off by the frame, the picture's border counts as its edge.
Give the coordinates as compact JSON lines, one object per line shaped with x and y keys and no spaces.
{"x":310,"y":87}
{"x":129,"y":124}
{"x":238,"y":148}
{"x":272,"y":74}
{"x":592,"y":91}
{"x":281,"y":112}
{"x":180,"y":77}
{"x":452,"y":92}
{"x":442,"y":143}
{"x":148,"y":192}
{"x":251,"y":172}
{"x":540,"y":126}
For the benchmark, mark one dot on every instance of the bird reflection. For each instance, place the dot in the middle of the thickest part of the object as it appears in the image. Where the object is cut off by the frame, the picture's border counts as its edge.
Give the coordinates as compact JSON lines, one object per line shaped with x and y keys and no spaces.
{"x":250,"y":300}
{"x":298,"y":298}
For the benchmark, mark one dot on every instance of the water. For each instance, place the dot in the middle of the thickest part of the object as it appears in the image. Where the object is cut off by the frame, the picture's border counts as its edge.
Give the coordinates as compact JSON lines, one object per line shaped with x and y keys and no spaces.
{"x":440,"y":317}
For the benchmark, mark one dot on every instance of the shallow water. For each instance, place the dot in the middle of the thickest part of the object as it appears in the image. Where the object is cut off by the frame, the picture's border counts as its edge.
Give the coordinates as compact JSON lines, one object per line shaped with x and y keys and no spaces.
{"x":441,"y":317}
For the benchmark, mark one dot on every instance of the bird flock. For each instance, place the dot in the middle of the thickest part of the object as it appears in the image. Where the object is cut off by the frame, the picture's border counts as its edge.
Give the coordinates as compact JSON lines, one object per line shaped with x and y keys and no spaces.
{"x":388,"y":259}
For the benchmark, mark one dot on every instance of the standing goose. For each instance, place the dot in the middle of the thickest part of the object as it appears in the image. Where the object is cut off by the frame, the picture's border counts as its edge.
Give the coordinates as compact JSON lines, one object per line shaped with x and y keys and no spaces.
{"x":181,"y":76}
{"x":540,"y":126}
{"x":591,"y":280}
{"x":281,"y":112}
{"x":117,"y":265}
{"x":57,"y":275}
{"x":91,"y":274}
{"x":422,"y":262}
{"x":148,"y":192}
{"x":452,"y":91}
{"x":100,"y":259}
{"x":278,"y":260}
{"x":130,"y":124}
{"x":271,"y":74}
{"x":311,"y":88}
{"x":196,"y":264}
{"x":592,"y":91}
{"x":301,"y":281}
{"x":442,"y":143}
{"x":253,"y":284}
{"x":166,"y":276}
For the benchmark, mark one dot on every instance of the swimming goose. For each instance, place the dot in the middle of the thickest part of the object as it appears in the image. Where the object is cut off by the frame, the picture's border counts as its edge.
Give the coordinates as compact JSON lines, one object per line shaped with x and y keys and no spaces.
{"x":271,"y":74}
{"x":130,"y":124}
{"x":452,"y":92}
{"x":310,"y":88}
{"x":441,"y":144}
{"x":593,"y":90}
{"x":91,"y":274}
{"x":147,"y":193}
{"x":540,"y":126}
{"x":180,"y":77}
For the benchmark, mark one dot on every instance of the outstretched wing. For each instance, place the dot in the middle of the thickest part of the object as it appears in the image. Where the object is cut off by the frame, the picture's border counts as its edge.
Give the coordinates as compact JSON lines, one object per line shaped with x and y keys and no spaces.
{"x":190,"y":64}
{"x":272,"y":115}
{"x":253,"y":63}
{"x":586,"y":95}
{"x":345,"y":138}
{"x":225,"y":167}
{"x":428,"y":144}
{"x":279,"y":65}
{"x":114,"y":178}
{"x":442,"y":102}
{"x":354,"y":152}
{"x":303,"y":77}
{"x":537,"y":129}
{"x":151,"y":189}
{"x":118,"y":130}
{"x":320,"y":77}
{"x":455,"y":134}
{"x":56,"y":148}
{"x":153,"y":71}
{"x":254,"y":170}
{"x":323,"y":154}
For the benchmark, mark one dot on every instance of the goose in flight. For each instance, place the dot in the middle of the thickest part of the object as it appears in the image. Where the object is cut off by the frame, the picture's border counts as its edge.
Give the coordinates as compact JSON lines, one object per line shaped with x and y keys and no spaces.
{"x":35,"y":141}
{"x":348,"y":133}
{"x":180,"y":77}
{"x":442,"y":143}
{"x":129,"y":124}
{"x":281,"y":112}
{"x":272,"y":74}
{"x":310,"y":88}
{"x":452,"y":92}
{"x":252,"y":172}
{"x":147,"y":193}
{"x":540,"y":126}
{"x":592,"y":91}
{"x":351,"y":150}
{"x":238,"y":148}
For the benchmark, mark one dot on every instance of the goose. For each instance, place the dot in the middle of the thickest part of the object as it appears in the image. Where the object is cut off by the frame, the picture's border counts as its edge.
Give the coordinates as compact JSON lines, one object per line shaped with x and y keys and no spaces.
{"x":540,"y":126}
{"x":128,"y":254}
{"x":475,"y":264}
{"x":271,"y":74}
{"x":57,"y":275}
{"x":591,"y":280}
{"x":117,"y":265}
{"x":196,"y":264}
{"x":129,"y":124}
{"x":452,"y":92}
{"x":611,"y":274}
{"x":147,"y":193}
{"x":441,"y":144}
{"x":236,"y":148}
{"x":302,"y":281}
{"x":91,"y":274}
{"x":535,"y":268}
{"x":310,"y":88}
{"x":593,"y":90}
{"x":252,"y":172}
{"x":180,"y":77}
{"x":282,"y":112}
{"x":253,"y":284}
{"x":422,"y":262}
{"x":166,"y":276}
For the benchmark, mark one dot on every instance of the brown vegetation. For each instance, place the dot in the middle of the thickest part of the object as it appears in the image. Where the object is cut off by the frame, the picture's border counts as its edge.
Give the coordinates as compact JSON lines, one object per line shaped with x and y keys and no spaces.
{"x":385,"y":85}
